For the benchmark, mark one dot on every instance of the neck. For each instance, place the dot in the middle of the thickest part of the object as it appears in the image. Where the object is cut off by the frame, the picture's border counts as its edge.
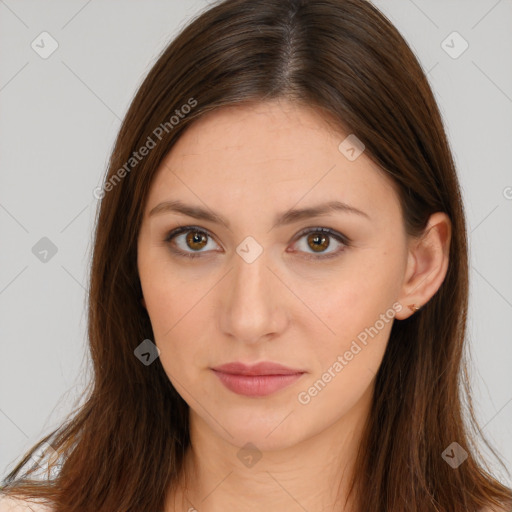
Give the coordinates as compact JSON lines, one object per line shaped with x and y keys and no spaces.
{"x":312,"y":475}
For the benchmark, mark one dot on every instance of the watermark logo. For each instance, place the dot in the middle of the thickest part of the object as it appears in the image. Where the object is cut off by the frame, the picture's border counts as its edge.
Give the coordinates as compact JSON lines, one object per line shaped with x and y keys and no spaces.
{"x":249,"y":455}
{"x":44,"y":45}
{"x":147,"y":352}
{"x":249,"y":250}
{"x":351,"y":147}
{"x":44,"y":250}
{"x":455,"y":45}
{"x":455,"y":455}
{"x":45,"y":458}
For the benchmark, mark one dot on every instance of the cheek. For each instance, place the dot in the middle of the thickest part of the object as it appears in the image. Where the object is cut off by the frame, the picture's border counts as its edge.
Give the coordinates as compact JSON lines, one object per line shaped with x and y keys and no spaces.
{"x":360,"y":335}
{"x":168,"y":296}
{"x":357,"y":307}
{"x":179,"y":316}
{"x":347,"y":361}
{"x":176,"y":320}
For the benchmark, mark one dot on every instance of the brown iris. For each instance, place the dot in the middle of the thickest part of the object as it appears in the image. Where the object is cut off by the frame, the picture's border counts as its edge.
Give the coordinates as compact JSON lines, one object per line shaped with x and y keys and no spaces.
{"x":196,"y":237}
{"x":319,"y":240}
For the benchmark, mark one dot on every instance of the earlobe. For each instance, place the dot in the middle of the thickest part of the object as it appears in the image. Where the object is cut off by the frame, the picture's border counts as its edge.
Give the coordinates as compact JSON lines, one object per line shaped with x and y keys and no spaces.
{"x":413,"y":307}
{"x":427,"y":265}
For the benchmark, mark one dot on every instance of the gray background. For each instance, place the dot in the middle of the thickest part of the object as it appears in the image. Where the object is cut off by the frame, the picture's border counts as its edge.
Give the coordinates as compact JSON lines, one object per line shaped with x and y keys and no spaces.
{"x":59,"y":118}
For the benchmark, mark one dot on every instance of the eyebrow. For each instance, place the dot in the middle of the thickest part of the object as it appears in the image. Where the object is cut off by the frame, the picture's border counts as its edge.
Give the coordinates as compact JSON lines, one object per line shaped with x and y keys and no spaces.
{"x":287,"y":217}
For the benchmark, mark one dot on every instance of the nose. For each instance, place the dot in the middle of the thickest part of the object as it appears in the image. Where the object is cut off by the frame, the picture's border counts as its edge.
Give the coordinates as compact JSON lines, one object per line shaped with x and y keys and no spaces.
{"x":253,"y":302}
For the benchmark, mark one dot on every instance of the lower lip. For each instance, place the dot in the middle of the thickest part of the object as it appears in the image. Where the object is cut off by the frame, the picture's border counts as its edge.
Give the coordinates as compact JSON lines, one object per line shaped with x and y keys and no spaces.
{"x":256,"y":385}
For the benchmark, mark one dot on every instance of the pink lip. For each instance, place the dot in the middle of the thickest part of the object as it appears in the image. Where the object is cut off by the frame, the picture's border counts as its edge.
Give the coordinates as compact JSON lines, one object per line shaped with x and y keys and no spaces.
{"x":260,"y":379}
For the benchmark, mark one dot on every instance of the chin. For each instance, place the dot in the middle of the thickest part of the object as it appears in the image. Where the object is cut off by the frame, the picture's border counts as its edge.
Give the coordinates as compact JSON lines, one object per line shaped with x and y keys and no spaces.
{"x":277,"y":430}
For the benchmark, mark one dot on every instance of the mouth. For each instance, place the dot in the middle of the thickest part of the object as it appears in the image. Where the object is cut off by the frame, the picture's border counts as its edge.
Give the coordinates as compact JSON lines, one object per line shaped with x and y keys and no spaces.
{"x":257,"y":380}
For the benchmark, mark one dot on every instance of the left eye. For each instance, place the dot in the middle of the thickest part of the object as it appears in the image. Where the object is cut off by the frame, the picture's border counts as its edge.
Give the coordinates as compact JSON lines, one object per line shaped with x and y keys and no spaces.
{"x":316,"y":239}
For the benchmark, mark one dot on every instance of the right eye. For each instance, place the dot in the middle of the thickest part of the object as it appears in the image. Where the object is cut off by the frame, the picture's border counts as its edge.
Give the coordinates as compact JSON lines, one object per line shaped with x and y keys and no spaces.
{"x":195,"y":238}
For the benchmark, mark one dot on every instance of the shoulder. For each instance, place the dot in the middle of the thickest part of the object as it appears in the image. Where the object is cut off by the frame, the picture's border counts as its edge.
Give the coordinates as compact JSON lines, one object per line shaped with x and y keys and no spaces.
{"x":8,"y":504}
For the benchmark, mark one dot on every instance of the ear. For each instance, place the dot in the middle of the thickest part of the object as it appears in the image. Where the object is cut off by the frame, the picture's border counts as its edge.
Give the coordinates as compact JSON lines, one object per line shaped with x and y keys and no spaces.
{"x":143,"y":302}
{"x":427,"y":264}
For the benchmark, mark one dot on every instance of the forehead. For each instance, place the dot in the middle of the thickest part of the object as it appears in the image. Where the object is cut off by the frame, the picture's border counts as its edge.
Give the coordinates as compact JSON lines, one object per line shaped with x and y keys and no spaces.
{"x":268,"y":153}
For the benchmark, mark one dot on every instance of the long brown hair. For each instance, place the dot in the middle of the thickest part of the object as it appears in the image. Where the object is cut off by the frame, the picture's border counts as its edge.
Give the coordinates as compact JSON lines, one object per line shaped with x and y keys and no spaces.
{"x":123,"y":447}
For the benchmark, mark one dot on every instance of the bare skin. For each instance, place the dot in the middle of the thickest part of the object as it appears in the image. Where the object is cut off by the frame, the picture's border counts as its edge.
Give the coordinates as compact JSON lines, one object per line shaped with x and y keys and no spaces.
{"x":248,"y":164}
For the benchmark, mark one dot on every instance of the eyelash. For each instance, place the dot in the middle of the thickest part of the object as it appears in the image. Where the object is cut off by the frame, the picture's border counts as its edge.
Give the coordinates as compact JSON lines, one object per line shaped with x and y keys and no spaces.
{"x":338,"y":236}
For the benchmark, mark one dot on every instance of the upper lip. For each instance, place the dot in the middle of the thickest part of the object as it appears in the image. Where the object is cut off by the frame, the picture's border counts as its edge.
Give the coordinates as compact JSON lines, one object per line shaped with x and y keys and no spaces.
{"x":263,"y":368}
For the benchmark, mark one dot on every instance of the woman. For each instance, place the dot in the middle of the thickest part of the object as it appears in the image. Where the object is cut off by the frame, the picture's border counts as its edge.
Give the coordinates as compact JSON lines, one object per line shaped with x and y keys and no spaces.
{"x":279,"y":286}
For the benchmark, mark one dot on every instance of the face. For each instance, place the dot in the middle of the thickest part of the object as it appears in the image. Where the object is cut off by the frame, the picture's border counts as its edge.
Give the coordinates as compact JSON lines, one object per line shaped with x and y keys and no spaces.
{"x":316,"y":293}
